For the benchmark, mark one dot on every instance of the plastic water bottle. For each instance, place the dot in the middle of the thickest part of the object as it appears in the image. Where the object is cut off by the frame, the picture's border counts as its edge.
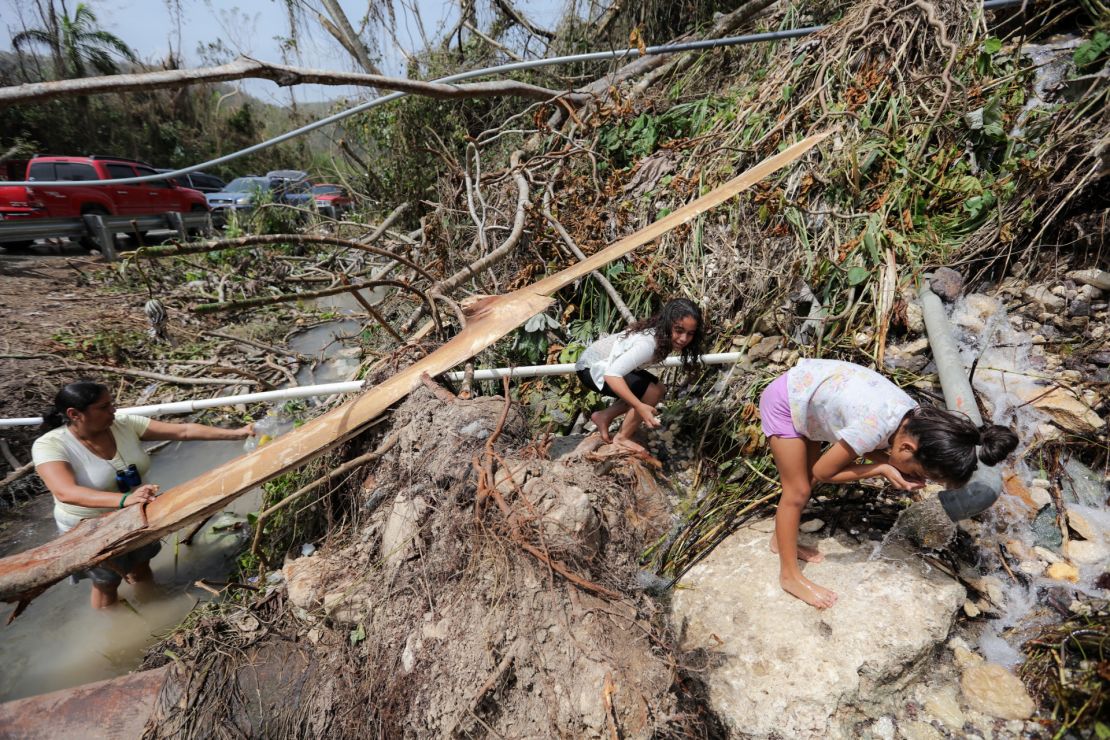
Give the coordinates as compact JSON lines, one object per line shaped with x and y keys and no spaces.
{"x":271,"y":425}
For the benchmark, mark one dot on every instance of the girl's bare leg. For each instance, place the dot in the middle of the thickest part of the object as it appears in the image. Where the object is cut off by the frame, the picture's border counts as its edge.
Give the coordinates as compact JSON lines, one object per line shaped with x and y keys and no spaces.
{"x":792,"y":460}
{"x":602,"y":419}
{"x":808,"y":554}
{"x":653,"y":395}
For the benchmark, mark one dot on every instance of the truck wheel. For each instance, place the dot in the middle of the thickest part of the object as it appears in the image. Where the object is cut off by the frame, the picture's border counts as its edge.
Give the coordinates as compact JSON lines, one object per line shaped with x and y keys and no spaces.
{"x":196,"y":232}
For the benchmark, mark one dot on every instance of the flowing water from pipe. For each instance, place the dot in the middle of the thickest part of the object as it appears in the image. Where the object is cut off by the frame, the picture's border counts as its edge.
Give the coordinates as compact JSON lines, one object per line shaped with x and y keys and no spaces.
{"x":1009,"y":370}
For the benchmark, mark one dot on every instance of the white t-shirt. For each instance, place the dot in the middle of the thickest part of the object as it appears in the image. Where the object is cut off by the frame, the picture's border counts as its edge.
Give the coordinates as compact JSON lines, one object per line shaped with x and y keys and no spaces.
{"x":832,"y":400}
{"x":617,"y":355}
{"x":90,"y":471}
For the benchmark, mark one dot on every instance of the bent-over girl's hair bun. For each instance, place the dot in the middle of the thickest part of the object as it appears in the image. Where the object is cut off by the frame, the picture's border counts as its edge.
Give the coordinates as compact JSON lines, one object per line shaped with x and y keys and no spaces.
{"x":996,"y":443}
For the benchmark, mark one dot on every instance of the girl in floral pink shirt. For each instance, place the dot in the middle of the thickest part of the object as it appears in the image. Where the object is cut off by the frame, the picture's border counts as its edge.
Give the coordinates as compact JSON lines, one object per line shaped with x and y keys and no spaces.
{"x":859,"y":413}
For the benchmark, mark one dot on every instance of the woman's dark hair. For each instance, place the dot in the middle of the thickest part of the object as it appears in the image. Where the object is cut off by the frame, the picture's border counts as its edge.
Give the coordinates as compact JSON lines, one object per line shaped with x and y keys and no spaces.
{"x":79,"y":395}
{"x":947,"y":441}
{"x":661,"y":324}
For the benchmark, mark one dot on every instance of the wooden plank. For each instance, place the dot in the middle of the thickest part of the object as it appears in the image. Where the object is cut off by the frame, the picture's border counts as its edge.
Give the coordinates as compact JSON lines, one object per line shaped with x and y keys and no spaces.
{"x":24,"y":575}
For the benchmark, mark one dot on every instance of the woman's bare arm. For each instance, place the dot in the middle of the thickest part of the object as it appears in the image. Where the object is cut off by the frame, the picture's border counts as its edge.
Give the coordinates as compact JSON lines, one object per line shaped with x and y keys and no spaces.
{"x":160,"y":430}
{"x":59,"y":479}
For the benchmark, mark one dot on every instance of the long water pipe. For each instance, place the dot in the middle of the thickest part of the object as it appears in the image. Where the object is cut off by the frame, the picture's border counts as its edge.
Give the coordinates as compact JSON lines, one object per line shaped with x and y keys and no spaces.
{"x":985,"y":485}
{"x":751,"y":38}
{"x":327,"y":389}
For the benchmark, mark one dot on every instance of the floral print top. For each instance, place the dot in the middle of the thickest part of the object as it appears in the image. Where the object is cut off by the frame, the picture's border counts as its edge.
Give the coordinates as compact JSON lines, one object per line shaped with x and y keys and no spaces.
{"x":832,"y":400}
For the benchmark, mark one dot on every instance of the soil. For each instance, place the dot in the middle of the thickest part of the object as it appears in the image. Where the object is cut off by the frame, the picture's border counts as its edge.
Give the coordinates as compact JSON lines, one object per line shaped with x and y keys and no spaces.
{"x":450,"y":611}
{"x":43,"y":297}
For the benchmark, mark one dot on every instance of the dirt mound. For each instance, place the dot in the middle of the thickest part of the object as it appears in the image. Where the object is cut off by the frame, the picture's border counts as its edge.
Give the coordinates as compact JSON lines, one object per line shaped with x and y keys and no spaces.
{"x":490,"y":591}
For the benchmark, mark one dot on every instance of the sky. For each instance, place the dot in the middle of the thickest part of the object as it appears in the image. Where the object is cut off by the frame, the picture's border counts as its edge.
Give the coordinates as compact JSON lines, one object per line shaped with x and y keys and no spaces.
{"x":254,"y":28}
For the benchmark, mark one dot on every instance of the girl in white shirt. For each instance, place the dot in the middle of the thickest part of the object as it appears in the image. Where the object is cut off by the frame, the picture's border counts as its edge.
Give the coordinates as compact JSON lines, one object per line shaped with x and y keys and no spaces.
{"x":860,"y":414}
{"x":613,"y":366}
{"x":80,"y":457}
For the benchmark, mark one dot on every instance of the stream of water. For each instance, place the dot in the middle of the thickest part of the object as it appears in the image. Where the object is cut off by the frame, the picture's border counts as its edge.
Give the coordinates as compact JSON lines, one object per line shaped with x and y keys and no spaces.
{"x":60,"y":641}
{"x":1010,"y":370}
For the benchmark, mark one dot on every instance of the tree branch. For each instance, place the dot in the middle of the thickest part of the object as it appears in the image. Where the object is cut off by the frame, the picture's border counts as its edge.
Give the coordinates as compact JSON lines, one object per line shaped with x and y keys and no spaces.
{"x":345,"y":34}
{"x":176,"y":250}
{"x":507,"y":8}
{"x":284,"y":75}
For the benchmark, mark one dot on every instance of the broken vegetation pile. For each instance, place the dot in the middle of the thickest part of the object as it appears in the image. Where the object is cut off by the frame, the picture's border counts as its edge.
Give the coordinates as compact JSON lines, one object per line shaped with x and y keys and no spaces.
{"x":950,"y":149}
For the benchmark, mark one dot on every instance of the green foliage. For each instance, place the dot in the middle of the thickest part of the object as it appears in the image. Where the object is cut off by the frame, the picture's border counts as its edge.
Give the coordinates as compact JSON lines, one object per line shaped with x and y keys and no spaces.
{"x":628,"y":141}
{"x":531,"y":342}
{"x":290,"y":527}
{"x":1092,"y":51}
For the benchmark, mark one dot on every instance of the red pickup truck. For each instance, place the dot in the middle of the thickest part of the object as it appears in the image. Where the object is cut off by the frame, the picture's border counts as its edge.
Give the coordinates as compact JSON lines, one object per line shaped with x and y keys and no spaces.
{"x":17,"y":201}
{"x":87,"y":196}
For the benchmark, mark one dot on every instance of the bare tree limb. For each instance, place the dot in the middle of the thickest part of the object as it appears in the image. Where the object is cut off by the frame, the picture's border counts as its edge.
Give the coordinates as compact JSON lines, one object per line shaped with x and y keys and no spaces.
{"x":345,"y":34}
{"x":7,"y":452}
{"x":176,"y":250}
{"x":603,"y":281}
{"x":309,"y":294}
{"x":178,"y":379}
{"x":284,"y":75}
{"x":472,"y":270}
{"x":496,"y":255}
{"x":724,"y":26}
{"x":492,"y":42}
{"x":17,"y":474}
{"x":282,"y":351}
{"x":507,"y":8}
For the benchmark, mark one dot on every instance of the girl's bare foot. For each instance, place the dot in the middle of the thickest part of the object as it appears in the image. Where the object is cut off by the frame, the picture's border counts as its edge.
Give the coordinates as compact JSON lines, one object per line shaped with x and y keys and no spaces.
{"x":628,"y":444}
{"x":808,"y":591}
{"x":602,"y":424}
{"x":807,"y":554}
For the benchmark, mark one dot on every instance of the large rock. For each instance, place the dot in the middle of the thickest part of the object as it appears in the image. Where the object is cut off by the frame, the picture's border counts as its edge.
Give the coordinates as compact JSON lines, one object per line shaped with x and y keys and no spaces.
{"x":1096,"y":278}
{"x":1067,"y":409}
{"x":306,"y":580}
{"x":947,"y":283}
{"x":402,"y":529}
{"x":1081,"y":485}
{"x":1044,"y":297}
{"x":780,"y":667}
{"x":994,"y":691}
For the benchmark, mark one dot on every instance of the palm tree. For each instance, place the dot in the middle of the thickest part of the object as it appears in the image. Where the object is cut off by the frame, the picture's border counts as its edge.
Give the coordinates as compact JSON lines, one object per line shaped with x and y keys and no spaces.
{"x":77,"y":44}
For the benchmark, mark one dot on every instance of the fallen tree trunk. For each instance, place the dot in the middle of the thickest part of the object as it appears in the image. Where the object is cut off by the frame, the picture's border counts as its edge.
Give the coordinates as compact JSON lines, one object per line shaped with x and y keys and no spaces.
{"x":284,"y":75}
{"x":27,"y":574}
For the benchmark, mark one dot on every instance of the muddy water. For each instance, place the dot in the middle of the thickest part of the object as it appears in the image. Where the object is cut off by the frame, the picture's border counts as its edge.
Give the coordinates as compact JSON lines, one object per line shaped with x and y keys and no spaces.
{"x":334,"y":347}
{"x":60,"y":641}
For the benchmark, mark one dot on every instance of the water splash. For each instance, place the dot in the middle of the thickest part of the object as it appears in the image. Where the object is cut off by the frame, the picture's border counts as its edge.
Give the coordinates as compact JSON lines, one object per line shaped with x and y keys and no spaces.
{"x":1010,"y":369}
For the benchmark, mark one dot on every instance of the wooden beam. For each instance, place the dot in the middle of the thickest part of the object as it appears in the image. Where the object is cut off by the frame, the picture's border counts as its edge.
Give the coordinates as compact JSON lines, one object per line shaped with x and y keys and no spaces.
{"x":25,"y":575}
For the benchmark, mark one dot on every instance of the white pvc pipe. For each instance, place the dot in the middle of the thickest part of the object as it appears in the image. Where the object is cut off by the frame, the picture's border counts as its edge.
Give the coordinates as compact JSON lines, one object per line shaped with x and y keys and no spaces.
{"x":327,"y":389}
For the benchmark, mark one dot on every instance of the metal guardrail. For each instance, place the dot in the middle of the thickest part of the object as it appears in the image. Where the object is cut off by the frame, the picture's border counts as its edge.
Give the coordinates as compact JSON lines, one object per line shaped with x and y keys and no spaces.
{"x":102,"y":229}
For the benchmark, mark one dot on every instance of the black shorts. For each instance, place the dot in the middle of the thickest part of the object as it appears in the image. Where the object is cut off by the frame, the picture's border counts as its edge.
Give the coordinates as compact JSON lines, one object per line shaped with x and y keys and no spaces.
{"x":109,"y":572}
{"x":637,"y":380}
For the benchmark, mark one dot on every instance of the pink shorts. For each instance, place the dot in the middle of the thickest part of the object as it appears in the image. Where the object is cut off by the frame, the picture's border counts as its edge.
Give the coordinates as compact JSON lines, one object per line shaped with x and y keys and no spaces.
{"x":774,"y":410}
